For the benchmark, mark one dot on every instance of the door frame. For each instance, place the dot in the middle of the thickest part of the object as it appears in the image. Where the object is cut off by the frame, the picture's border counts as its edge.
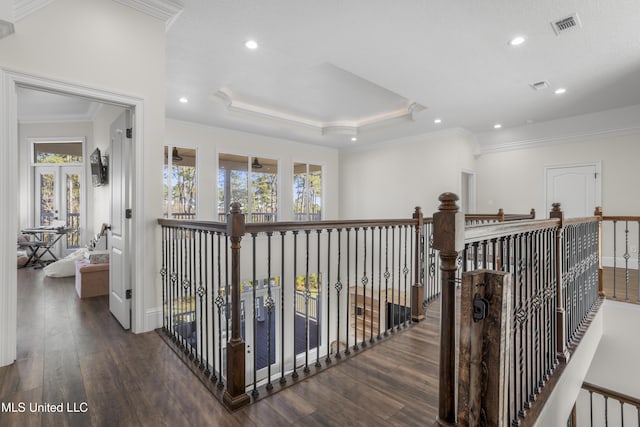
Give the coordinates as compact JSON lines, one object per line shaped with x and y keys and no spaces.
{"x":598,"y":195}
{"x":472,"y":189}
{"x":9,"y":81}
{"x":32,"y":184}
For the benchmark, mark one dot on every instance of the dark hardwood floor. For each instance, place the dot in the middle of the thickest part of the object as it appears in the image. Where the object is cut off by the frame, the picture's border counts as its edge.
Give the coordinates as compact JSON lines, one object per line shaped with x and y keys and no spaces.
{"x":623,"y":293}
{"x":73,"y":351}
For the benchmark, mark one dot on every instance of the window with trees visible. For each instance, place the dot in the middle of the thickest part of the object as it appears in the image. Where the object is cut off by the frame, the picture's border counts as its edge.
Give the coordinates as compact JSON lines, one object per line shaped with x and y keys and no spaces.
{"x":58,"y":186}
{"x":57,"y":152}
{"x":250,"y":181}
{"x":179,"y":182}
{"x":307,"y":192}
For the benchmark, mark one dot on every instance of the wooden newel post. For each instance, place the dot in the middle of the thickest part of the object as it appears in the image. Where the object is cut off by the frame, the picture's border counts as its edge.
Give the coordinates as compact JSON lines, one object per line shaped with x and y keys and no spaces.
{"x":448,"y":238}
{"x":417,"y":290}
{"x":235,"y":394}
{"x":563,"y":352}
{"x":598,"y":213}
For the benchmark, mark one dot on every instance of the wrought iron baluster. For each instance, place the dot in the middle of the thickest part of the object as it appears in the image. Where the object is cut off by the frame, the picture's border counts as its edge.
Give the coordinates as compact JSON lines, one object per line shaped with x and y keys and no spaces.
{"x":163,"y":275}
{"x":270,"y":305}
{"x":227,"y":283}
{"x":201,"y":292}
{"x":219,"y":301}
{"x":318,"y":311}
{"x":307,"y":294}
{"x":626,"y":257}
{"x":364,"y":282}
{"x":192,"y":279}
{"x":328,"y":357}
{"x":372,"y":281}
{"x":392,"y":327}
{"x":615,"y":258}
{"x":622,"y":413}
{"x":348,"y":318}
{"x":283,"y":380}
{"x":521,"y":317}
{"x":379,"y":281}
{"x":208,"y":285}
{"x":591,"y":407}
{"x":387,"y":274}
{"x":485,"y":256}
{"x":405,"y":271}
{"x":294,"y":375}
{"x":355,"y":302}
{"x":338,"y":287}
{"x":254,"y":283}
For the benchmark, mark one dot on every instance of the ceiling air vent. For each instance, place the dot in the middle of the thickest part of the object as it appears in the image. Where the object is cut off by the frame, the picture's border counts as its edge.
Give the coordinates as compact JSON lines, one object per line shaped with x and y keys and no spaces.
{"x":565,"y":24}
{"x":540,"y":85}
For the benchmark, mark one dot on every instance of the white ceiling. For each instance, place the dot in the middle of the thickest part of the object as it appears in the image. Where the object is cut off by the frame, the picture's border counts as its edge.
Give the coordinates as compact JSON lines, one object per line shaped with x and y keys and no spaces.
{"x":326,"y":71}
{"x":36,"y":106}
{"x":332,"y":61}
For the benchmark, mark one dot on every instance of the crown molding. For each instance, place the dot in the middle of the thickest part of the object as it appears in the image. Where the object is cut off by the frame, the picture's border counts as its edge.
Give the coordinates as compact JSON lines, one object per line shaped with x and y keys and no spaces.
{"x":565,"y":139}
{"x":165,"y":10}
{"x":22,"y":8}
{"x":88,"y":116}
{"x":337,"y":127}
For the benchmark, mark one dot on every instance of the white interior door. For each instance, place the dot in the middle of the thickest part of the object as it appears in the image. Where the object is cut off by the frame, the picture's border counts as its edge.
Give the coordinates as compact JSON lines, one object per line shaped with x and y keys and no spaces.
{"x":576,"y":188}
{"x":120,"y":267}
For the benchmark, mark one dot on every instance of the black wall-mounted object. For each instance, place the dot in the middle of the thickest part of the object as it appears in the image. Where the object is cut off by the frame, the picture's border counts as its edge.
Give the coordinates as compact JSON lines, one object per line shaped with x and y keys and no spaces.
{"x":99,"y":168}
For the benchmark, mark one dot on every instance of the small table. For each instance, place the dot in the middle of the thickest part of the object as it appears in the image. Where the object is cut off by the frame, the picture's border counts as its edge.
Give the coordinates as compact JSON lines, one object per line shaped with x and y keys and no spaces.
{"x":45,"y":239}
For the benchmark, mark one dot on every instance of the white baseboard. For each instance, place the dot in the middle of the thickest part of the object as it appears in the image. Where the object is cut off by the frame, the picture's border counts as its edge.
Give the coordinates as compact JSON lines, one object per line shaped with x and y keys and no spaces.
{"x":153,"y":319}
{"x":608,"y":262}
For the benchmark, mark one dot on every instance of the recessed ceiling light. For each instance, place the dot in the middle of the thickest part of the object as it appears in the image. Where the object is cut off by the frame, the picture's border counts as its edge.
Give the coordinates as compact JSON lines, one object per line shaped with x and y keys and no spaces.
{"x":497,"y":126}
{"x":517,"y":41}
{"x":183,"y":99}
{"x":560,"y":91}
{"x":437,"y":121}
{"x":251,"y":44}
{"x":354,"y":139}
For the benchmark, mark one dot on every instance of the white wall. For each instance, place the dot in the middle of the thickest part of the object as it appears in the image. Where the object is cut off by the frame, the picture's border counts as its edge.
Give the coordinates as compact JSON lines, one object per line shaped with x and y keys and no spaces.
{"x":558,"y":407}
{"x":100,"y":203}
{"x":43,"y":130}
{"x":388,"y":181}
{"x":209,"y":141}
{"x":614,"y":365}
{"x":100,"y":45}
{"x":514,"y":179}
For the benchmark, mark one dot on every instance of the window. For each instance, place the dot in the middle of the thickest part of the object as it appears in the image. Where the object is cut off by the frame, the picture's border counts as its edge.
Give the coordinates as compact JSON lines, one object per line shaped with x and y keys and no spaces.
{"x":57,"y":152}
{"x":250,"y":181}
{"x":307,"y":192}
{"x":58,"y":188}
{"x":179,"y":182}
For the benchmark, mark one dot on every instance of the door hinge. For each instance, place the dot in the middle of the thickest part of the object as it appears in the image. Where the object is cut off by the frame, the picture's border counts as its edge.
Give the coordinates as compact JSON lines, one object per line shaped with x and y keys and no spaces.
{"x":127,"y":294}
{"x":128,"y":213}
{"x":129,"y":133}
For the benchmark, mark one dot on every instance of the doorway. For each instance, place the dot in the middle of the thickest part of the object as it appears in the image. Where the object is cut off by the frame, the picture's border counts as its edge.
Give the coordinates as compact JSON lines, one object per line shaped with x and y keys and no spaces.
{"x":467,"y":191}
{"x":59,"y":190}
{"x":576,"y":187}
{"x":10,"y":81}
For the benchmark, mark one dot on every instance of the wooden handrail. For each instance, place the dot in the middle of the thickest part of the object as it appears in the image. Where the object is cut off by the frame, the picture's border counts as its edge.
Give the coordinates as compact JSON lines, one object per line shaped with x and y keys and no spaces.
{"x":621,"y":218}
{"x":277,"y":226}
{"x":194,"y":225}
{"x":620,"y":397}
{"x":475,"y":233}
{"x":580,"y":220}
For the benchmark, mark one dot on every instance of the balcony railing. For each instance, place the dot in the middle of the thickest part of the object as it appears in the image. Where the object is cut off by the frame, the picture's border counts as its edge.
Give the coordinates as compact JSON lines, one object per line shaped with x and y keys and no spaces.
{"x":554,"y":290}
{"x":254,"y":306}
